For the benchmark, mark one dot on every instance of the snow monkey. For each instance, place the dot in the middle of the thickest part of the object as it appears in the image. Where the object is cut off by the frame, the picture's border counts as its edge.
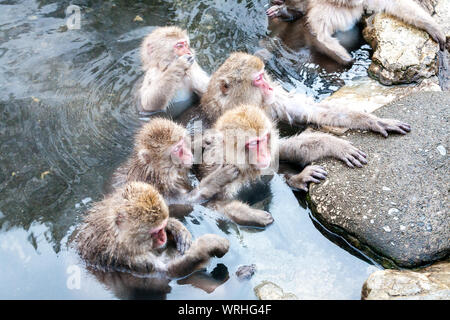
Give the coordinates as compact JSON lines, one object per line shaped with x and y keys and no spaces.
{"x":247,"y":138}
{"x":242,"y":80}
{"x":129,"y":229}
{"x":162,"y":156}
{"x":171,"y":71}
{"x":325,"y":17}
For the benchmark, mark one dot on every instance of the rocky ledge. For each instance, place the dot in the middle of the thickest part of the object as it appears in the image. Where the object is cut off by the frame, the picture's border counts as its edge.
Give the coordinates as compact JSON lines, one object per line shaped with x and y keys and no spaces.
{"x":395,"y":208}
{"x":431,"y":283}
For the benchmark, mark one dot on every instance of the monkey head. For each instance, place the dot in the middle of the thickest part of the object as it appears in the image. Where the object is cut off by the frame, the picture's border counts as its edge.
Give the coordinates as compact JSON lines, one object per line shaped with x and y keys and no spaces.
{"x":163,"y":142}
{"x":252,"y":136}
{"x":241,"y":79}
{"x":142,"y":216}
{"x":163,"y":46}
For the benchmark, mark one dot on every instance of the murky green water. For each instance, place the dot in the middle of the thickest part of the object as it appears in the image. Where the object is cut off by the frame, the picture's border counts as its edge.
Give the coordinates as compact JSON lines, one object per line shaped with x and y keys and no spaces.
{"x":67,"y":120}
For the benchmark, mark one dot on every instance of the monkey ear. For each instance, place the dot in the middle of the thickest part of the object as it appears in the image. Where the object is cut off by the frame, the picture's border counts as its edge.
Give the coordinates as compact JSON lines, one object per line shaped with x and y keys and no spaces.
{"x":224,"y":86}
{"x":144,"y":156}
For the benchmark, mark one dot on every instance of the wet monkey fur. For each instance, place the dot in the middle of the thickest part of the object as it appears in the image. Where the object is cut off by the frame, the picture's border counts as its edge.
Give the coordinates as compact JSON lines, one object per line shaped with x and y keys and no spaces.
{"x":162,"y":156}
{"x":169,"y":65}
{"x":130,"y":228}
{"x":325,"y":17}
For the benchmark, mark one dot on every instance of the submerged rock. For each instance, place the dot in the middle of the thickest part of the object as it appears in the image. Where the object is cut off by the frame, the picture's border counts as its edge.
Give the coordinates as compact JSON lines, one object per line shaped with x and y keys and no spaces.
{"x":270,"y":291}
{"x":431,"y":283}
{"x":397,"y":205}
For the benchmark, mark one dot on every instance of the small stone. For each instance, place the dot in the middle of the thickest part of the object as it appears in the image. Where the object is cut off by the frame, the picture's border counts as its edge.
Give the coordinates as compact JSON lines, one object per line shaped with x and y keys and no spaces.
{"x":86,"y":200}
{"x":386,"y":189}
{"x":246,"y":272}
{"x":387,"y":229}
{"x":442,"y":150}
{"x":402,"y":228}
{"x":393,"y":211}
{"x":77,"y":205}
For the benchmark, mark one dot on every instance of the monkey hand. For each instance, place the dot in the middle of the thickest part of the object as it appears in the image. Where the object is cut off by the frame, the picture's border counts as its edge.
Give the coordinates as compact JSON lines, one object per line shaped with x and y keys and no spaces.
{"x":213,"y":183}
{"x":213,"y":245}
{"x":437,"y":35}
{"x":346,"y":152}
{"x":180,"y":234}
{"x":308,"y":174}
{"x":182,"y":64}
{"x":383,"y":126}
{"x":274,"y":11}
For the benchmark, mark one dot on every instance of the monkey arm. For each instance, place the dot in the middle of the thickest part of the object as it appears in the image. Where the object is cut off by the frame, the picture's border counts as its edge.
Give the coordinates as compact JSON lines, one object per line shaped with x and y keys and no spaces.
{"x":300,"y":109}
{"x":201,"y":250}
{"x":241,"y":213}
{"x":412,"y":13}
{"x":180,"y":234}
{"x":213,"y":183}
{"x":158,"y":89}
{"x":311,"y":146}
{"x":199,"y":79}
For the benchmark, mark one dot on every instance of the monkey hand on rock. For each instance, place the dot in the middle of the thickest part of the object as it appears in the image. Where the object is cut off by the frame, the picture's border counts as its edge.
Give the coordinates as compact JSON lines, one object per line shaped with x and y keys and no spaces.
{"x":180,"y":234}
{"x":310,"y":173}
{"x":383,"y":126}
{"x":346,"y":152}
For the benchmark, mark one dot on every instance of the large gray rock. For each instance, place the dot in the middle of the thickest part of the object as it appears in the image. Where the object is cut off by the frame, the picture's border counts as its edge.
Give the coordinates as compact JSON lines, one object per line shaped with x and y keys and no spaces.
{"x":431,"y":283}
{"x":397,"y":205}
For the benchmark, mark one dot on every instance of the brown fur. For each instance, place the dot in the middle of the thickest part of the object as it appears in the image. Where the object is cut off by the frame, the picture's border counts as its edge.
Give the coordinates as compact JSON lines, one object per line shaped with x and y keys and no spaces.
{"x":116,"y":234}
{"x":236,"y":72}
{"x":165,"y":72}
{"x":246,"y":121}
{"x":151,"y":162}
{"x":325,"y":17}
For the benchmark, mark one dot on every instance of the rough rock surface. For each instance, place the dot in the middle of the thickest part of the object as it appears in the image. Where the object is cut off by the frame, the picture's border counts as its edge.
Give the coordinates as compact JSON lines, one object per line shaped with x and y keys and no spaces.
{"x":270,"y":291}
{"x":431,"y":283}
{"x":397,"y":205}
{"x":402,"y":54}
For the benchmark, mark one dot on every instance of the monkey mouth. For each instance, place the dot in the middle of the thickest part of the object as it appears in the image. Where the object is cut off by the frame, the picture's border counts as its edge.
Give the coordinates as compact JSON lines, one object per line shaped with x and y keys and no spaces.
{"x":159,"y":237}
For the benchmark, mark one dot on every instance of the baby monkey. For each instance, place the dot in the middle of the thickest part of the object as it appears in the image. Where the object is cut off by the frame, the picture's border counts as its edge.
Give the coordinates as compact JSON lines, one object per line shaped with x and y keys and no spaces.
{"x":325,"y":17}
{"x":130,"y":228}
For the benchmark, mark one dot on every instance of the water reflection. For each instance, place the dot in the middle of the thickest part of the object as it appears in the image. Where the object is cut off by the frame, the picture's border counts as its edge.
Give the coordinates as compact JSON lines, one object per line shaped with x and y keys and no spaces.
{"x":67,"y":120}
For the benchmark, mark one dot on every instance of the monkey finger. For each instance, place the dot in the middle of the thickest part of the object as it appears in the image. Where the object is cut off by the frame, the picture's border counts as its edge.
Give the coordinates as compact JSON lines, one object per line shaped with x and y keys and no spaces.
{"x":360,"y":157}
{"x":347,"y":162}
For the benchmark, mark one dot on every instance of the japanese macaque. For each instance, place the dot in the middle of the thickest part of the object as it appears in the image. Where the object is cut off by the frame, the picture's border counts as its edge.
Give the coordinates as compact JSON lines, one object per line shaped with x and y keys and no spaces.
{"x":170,"y":69}
{"x":244,"y":138}
{"x":241,"y":79}
{"x":129,"y":230}
{"x":325,"y":17}
{"x":162,"y":156}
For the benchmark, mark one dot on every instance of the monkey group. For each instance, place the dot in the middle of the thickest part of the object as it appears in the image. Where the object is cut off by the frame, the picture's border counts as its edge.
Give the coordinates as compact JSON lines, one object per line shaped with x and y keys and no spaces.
{"x":133,"y":227}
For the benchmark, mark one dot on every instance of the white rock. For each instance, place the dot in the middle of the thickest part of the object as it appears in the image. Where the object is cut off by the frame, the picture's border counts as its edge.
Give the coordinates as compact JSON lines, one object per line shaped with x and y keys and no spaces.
{"x":86,"y":200}
{"x":442,"y":150}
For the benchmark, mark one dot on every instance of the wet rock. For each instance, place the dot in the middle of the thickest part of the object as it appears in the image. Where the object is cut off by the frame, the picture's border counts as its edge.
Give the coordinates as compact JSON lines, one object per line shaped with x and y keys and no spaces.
{"x":431,"y":283}
{"x":367,"y":95}
{"x":246,"y":272}
{"x":402,"y":53}
{"x":270,"y":291}
{"x":409,"y":223}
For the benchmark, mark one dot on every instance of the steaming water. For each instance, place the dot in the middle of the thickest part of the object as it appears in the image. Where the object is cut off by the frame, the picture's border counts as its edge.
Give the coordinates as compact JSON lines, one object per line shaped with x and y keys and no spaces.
{"x":67,"y":120}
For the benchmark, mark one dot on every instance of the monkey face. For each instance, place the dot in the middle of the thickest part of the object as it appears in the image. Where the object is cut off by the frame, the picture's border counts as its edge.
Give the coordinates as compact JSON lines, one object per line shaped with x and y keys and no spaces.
{"x":181,"y":48}
{"x":259,"y":81}
{"x":181,"y":154}
{"x":259,"y":151}
{"x":158,"y":235}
